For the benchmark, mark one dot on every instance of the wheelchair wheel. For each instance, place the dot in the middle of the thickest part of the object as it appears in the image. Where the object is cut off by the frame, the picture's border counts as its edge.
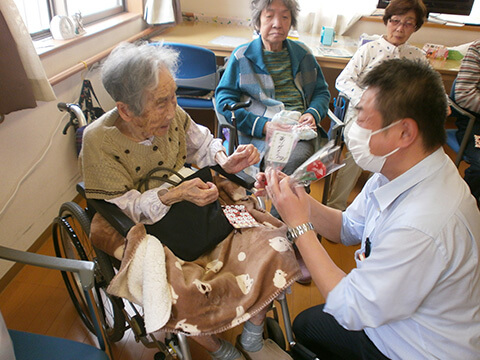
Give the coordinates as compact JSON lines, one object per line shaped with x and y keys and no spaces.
{"x":274,"y":331}
{"x":71,"y":240}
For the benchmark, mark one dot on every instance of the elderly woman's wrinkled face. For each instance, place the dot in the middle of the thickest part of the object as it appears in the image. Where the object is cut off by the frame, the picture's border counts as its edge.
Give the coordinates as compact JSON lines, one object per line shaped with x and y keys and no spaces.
{"x":401,"y":27}
{"x":275,"y":22}
{"x":160,"y":107}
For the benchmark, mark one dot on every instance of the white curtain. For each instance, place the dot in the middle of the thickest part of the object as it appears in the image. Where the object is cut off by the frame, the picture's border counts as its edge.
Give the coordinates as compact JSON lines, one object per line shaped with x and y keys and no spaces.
{"x":162,"y":12}
{"x":338,"y":14}
{"x":32,"y":65}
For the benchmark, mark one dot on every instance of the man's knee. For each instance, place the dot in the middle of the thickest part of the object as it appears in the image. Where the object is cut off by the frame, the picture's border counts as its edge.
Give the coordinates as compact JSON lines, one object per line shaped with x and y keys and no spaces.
{"x":303,"y":322}
{"x":299,"y":324}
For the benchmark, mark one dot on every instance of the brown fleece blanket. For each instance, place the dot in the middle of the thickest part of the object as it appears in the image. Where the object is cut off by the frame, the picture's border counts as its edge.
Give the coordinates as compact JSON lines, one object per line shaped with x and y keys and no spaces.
{"x":219,"y":290}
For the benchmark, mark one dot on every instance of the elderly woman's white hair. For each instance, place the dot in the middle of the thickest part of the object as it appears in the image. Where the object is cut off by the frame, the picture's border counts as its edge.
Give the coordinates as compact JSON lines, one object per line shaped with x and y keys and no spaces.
{"x":132,"y":70}
{"x":258,"y":5}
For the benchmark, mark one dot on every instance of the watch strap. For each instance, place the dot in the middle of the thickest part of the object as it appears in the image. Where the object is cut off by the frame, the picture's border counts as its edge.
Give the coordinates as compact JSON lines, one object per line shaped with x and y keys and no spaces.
{"x":294,"y":233}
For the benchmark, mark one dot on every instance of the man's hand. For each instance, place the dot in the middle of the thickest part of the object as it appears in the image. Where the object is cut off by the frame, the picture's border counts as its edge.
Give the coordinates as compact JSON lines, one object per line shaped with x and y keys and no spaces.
{"x":292,"y":203}
{"x":196,"y":191}
{"x":243,"y":157}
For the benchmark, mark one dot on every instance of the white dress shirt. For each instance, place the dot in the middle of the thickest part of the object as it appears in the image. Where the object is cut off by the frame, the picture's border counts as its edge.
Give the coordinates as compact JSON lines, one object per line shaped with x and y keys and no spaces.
{"x":417,"y":295}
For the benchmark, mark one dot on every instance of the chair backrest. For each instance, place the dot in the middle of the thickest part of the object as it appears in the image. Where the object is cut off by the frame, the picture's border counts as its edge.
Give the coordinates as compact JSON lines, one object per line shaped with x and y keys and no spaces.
{"x":340,"y":106}
{"x":197,"y":67}
{"x":335,"y":133}
{"x":465,"y":120}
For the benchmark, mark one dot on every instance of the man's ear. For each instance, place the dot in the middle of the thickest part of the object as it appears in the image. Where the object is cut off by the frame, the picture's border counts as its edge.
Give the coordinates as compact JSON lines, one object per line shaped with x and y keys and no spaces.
{"x":409,"y":134}
{"x":124,"y":111}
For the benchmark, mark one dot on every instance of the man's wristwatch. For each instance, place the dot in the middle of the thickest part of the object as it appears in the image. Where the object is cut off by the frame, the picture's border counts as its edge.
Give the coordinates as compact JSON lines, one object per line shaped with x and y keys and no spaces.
{"x":294,"y":233}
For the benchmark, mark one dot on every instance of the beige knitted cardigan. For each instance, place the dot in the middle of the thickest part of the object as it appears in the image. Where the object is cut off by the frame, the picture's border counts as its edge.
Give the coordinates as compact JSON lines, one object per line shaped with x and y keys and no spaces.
{"x":113,"y":164}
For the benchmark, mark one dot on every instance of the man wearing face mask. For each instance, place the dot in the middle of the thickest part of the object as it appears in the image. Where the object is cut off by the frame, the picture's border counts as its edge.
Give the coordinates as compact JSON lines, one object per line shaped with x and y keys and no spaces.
{"x":414,"y":293}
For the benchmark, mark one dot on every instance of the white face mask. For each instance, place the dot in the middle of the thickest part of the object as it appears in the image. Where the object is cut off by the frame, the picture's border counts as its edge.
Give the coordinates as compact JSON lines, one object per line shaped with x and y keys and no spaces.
{"x":358,"y":143}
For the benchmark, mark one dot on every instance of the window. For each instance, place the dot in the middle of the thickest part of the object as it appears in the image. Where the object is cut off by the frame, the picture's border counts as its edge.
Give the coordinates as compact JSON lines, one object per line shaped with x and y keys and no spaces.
{"x":37,"y":14}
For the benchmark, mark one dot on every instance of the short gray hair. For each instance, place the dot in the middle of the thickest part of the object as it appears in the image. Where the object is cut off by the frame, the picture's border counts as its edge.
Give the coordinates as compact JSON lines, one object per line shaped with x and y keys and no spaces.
{"x":257,"y":6}
{"x":132,"y":70}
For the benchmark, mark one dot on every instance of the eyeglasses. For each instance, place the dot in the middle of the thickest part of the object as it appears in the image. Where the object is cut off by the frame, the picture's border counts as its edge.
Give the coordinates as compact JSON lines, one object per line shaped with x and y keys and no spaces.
{"x":406,"y":25}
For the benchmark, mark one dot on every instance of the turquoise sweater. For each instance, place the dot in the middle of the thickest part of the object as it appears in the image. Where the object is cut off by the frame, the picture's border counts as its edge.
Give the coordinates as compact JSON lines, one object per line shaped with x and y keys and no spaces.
{"x":246,"y":77}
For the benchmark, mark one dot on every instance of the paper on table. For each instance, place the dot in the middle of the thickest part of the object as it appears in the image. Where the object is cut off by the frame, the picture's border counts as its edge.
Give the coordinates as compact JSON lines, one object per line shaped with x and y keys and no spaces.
{"x":334,"y":52}
{"x":229,"y":41}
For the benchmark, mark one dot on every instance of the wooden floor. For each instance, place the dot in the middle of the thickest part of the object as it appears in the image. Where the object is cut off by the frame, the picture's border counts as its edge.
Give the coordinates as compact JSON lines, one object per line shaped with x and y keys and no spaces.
{"x":36,"y":301}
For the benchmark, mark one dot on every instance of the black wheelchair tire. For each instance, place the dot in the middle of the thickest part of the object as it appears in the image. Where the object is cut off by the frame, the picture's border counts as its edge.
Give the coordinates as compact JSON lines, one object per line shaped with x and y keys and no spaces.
{"x":71,"y":240}
{"x":274,"y":331}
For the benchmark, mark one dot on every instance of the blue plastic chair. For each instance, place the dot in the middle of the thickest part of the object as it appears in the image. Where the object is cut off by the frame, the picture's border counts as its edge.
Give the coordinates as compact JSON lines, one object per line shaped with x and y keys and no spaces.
{"x":196,"y":77}
{"x":29,"y":346}
{"x":452,"y":141}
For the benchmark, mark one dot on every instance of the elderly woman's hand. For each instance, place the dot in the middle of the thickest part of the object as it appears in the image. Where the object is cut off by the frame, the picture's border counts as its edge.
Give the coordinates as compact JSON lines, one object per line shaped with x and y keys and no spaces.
{"x":308,"y":120}
{"x":291,"y":202}
{"x":196,"y":191}
{"x":243,"y":157}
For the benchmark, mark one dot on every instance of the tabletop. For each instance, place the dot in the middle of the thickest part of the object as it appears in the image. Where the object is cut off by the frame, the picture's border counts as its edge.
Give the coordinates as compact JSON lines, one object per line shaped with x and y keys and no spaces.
{"x":222,"y":38}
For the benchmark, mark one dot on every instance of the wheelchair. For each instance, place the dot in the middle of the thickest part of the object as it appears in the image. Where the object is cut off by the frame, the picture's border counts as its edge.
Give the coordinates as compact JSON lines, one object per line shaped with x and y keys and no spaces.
{"x":71,"y":229}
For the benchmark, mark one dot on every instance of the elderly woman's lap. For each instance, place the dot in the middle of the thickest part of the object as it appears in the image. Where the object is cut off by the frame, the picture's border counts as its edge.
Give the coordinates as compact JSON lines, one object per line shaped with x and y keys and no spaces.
{"x":303,"y":150}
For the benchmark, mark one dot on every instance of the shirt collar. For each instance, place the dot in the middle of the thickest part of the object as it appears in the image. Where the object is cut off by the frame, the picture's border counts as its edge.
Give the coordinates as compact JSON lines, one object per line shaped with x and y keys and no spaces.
{"x":389,"y":46}
{"x":388,"y":191}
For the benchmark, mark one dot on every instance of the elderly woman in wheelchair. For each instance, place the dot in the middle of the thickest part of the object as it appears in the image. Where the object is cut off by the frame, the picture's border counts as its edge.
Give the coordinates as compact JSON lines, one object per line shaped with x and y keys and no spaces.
{"x":231,"y":283}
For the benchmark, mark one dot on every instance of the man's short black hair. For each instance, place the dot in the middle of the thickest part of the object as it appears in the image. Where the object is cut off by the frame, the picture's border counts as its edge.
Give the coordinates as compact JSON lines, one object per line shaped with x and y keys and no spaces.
{"x":411,"y":89}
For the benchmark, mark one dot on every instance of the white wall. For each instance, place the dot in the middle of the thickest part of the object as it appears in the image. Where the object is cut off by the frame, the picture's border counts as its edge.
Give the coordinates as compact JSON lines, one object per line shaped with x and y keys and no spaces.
{"x":24,"y":137}
{"x":238,"y":9}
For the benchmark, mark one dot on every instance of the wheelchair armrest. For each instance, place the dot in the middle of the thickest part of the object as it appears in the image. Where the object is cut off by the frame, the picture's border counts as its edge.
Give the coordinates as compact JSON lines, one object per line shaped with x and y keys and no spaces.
{"x":336,"y":132}
{"x":461,"y":110}
{"x":85,"y":269}
{"x":239,"y":178}
{"x":335,"y":118}
{"x":113,"y":214}
{"x":81,"y":189}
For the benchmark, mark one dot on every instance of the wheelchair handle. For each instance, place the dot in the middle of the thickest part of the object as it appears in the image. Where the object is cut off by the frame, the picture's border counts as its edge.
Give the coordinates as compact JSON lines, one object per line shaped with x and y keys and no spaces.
{"x":233,"y":142}
{"x":75,"y":111}
{"x":238,"y":105}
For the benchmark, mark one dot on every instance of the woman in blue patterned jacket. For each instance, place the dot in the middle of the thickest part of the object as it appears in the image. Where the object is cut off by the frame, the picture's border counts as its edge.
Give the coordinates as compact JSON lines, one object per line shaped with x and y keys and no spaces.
{"x":277,"y":74}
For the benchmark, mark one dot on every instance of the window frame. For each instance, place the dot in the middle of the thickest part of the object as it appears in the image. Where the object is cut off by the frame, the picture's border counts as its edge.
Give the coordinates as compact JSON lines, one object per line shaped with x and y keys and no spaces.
{"x":59,"y":7}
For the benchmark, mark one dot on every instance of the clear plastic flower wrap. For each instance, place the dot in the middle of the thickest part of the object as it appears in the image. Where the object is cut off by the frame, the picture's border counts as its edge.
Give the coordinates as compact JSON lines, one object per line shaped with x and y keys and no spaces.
{"x":319,"y":165}
{"x":282,"y":136}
